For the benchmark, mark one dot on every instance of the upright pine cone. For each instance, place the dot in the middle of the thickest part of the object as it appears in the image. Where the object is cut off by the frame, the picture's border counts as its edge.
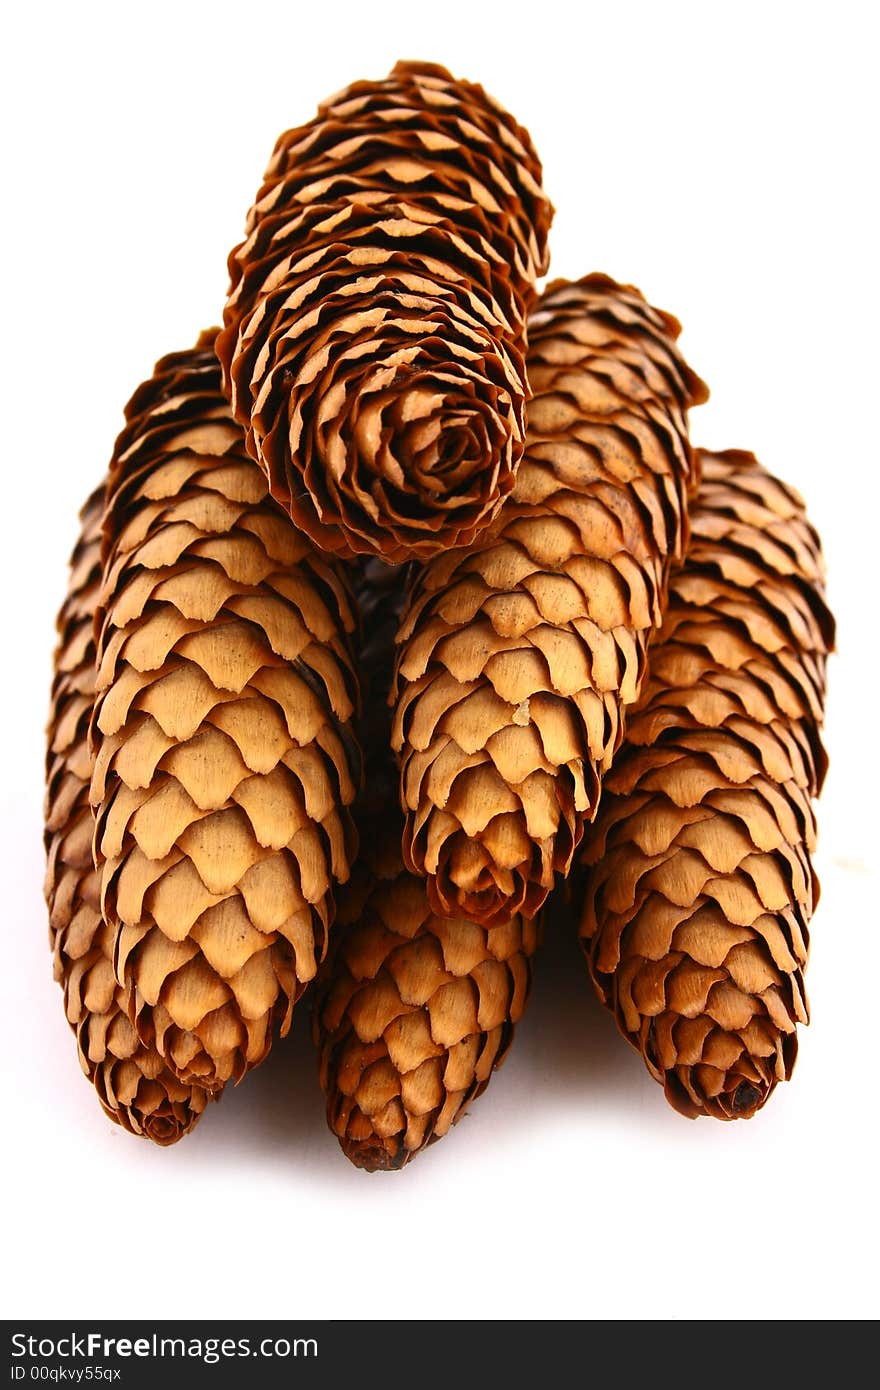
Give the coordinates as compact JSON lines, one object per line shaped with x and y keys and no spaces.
{"x":134,"y":1086}
{"x":696,"y":907}
{"x":413,"y":1011}
{"x":225,"y":757}
{"x":375,"y":327}
{"x":520,"y":654}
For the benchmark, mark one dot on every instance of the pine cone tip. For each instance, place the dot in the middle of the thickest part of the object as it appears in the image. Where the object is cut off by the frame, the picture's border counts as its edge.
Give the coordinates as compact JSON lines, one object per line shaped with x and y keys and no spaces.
{"x":167,"y":1125}
{"x":375,"y":1154}
{"x":701,"y":1091}
{"x":474,"y":886}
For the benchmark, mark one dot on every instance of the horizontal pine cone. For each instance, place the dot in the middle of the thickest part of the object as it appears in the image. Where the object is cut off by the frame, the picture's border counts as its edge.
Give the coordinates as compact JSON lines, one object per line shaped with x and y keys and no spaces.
{"x":133,"y":1084}
{"x":519,"y":655}
{"x":696,"y":907}
{"x":413,"y":1011}
{"x":225,"y":759}
{"x":375,"y":327}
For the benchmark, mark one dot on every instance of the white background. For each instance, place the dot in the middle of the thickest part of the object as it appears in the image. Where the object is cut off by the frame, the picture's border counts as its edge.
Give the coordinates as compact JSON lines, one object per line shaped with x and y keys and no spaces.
{"x":723,"y":158}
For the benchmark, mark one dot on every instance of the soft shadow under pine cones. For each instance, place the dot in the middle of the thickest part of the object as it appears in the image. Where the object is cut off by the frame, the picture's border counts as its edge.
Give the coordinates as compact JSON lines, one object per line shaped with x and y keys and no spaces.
{"x":278,"y":1118}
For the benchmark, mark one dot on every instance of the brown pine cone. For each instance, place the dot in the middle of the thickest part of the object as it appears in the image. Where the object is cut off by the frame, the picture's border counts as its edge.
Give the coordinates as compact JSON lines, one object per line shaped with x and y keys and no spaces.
{"x":413,"y":1011}
{"x":696,"y":907}
{"x":375,"y":327}
{"x":224,"y":750}
{"x":134,"y":1086}
{"x":520,"y":654}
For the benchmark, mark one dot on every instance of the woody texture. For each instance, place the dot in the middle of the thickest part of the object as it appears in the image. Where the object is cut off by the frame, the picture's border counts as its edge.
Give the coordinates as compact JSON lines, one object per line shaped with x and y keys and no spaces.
{"x":133,"y":1084}
{"x":406,"y":598}
{"x":222,"y":735}
{"x":413,"y":1010}
{"x":374,"y":332}
{"x":520,"y":654}
{"x":700,"y":888}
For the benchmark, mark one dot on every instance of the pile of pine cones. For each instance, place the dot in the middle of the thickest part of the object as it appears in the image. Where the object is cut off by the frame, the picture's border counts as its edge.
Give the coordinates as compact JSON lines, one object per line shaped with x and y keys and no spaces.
{"x":405,"y":598}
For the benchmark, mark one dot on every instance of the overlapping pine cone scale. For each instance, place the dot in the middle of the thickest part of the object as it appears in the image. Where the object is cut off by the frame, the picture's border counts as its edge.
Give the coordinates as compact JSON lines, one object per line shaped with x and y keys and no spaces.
{"x":135,"y":1088}
{"x":225,"y":760}
{"x":520,"y":654}
{"x":375,"y":329}
{"x":413,"y":1011}
{"x":697,"y":902}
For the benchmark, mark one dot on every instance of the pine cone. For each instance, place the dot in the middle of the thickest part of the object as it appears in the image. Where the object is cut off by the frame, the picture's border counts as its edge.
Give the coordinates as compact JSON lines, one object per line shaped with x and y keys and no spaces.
{"x":696,"y":909}
{"x":413,"y":1012}
{"x":375,"y":328}
{"x":520,"y":654}
{"x":224,"y":753}
{"x":133,"y":1085}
